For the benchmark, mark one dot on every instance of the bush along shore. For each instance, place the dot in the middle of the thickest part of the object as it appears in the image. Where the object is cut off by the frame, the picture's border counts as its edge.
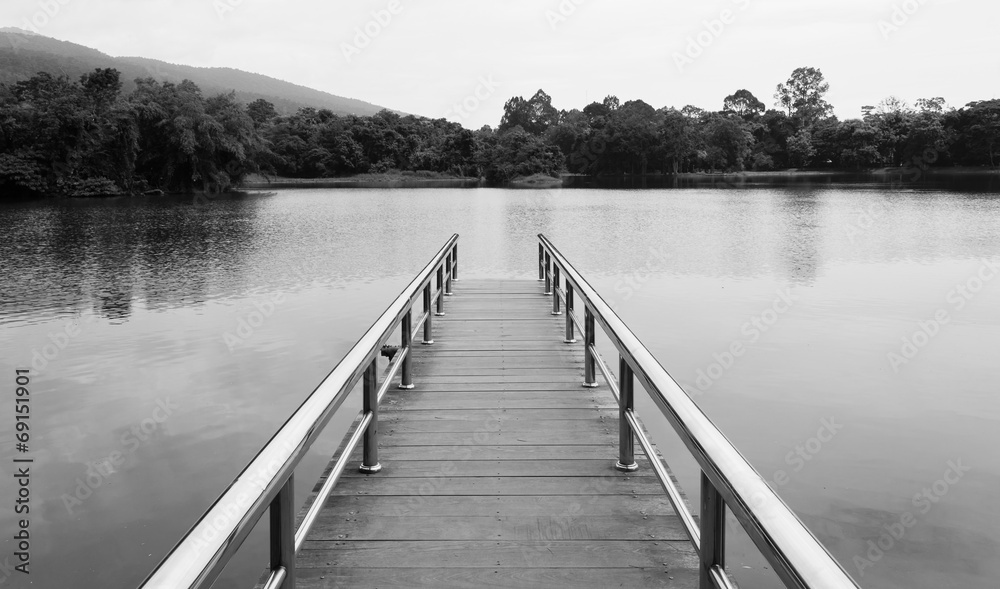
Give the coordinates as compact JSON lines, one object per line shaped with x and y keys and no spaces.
{"x":81,"y":138}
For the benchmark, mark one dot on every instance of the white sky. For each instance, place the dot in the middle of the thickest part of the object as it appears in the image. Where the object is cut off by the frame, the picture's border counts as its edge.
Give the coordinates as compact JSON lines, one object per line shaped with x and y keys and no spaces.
{"x":433,"y":53}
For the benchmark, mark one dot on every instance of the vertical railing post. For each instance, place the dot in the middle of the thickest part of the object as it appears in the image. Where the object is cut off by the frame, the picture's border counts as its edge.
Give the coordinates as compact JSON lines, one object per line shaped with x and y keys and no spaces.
{"x":570,"y":337}
{"x":626,"y":403}
{"x":589,"y":362}
{"x":440,"y":289}
{"x":454,"y":262}
{"x":541,"y":262}
{"x":429,"y":312}
{"x":406,"y":326}
{"x":548,"y":275}
{"x":282,"y":516}
{"x":713,"y":532}
{"x":369,"y":463}
{"x":555,"y":289}
{"x":447,"y":276}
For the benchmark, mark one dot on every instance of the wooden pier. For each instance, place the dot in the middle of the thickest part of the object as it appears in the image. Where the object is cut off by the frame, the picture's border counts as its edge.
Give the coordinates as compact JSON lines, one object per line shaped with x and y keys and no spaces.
{"x":485,"y":456}
{"x":498,"y":469}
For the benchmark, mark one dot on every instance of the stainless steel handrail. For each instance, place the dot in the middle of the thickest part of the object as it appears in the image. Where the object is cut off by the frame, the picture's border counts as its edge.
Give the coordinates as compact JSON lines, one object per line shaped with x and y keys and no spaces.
{"x":266,"y":484}
{"x":728,"y":479}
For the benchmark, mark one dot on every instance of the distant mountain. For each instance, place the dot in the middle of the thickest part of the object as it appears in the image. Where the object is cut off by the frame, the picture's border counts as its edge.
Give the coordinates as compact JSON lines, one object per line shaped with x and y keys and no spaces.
{"x":24,"y":54}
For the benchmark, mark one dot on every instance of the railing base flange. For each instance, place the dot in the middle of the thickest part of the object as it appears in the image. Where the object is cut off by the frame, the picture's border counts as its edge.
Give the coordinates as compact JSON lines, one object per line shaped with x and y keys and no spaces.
{"x":428,"y":342}
{"x":557,"y":312}
{"x":626,"y":467}
{"x":406,"y":387}
{"x":370,"y":469}
{"x":439,"y":314}
{"x":569,"y":341}
{"x":590,"y":385}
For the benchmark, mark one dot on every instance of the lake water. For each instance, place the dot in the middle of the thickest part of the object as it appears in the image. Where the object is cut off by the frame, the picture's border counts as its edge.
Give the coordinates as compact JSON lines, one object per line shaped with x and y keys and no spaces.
{"x":868,"y":318}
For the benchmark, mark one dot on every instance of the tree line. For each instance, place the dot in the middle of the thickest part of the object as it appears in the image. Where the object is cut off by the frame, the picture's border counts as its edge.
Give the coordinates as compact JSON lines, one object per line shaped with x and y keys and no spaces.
{"x":83,"y":138}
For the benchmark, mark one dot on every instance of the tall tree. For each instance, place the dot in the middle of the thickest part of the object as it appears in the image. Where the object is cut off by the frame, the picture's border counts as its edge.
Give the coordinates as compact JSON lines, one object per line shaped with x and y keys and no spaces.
{"x":743,"y":103}
{"x":802,"y":95}
{"x":534,"y":115}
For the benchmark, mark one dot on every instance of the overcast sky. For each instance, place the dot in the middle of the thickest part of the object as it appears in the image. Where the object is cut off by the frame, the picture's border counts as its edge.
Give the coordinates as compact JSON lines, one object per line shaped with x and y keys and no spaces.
{"x":433,"y":54}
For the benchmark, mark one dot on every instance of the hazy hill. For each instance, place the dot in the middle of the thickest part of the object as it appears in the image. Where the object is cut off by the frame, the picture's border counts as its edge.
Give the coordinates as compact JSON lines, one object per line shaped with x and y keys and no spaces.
{"x":24,"y":54}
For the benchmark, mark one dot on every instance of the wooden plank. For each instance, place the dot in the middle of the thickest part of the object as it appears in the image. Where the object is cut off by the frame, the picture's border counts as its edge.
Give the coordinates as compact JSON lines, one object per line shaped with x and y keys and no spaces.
{"x":572,"y":386}
{"x":501,"y":468}
{"x":475,"y":578}
{"x":611,"y":483}
{"x":458,"y":399}
{"x":607,"y":450}
{"x":546,"y":505}
{"x":494,"y":526}
{"x":499,"y":554}
{"x":503,"y":414}
{"x":464,"y":379}
{"x":490,"y":425}
{"x":501,"y":438}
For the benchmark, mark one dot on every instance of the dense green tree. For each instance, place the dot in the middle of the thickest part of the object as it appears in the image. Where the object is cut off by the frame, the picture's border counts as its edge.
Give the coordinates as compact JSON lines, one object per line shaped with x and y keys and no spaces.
{"x":802,"y":96}
{"x":977,"y":129}
{"x":534,"y":115}
{"x":261,"y":112}
{"x":729,"y":142}
{"x":743,"y":103}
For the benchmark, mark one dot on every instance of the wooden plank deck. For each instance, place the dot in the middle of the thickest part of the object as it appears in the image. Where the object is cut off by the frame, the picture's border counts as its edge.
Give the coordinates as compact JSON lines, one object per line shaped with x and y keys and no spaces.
{"x":498,"y":469}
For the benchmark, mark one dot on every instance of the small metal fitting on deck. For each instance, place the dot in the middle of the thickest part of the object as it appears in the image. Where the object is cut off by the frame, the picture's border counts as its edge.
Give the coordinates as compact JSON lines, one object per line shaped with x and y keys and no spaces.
{"x":626,"y":467}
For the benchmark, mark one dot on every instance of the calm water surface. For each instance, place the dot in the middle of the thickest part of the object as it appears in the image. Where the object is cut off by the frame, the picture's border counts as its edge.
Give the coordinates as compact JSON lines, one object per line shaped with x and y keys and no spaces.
{"x":148,"y":399}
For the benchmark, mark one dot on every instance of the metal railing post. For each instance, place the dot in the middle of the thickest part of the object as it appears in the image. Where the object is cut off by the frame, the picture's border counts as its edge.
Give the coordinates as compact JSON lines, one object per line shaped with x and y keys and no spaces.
{"x":454,"y":262}
{"x":713,"y":533}
{"x":548,"y":277}
{"x":589,"y":362}
{"x":428,"y":333}
{"x":406,"y":326}
{"x":570,"y":337}
{"x":447,"y":276}
{"x":282,"y":516}
{"x":440,"y":289}
{"x":626,"y":403}
{"x":541,"y":262}
{"x":369,"y":464}
{"x":555,"y":290}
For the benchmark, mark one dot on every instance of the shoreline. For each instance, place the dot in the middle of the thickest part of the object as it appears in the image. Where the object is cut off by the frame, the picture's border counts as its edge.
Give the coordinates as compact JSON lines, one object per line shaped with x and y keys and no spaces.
{"x":545,"y":181}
